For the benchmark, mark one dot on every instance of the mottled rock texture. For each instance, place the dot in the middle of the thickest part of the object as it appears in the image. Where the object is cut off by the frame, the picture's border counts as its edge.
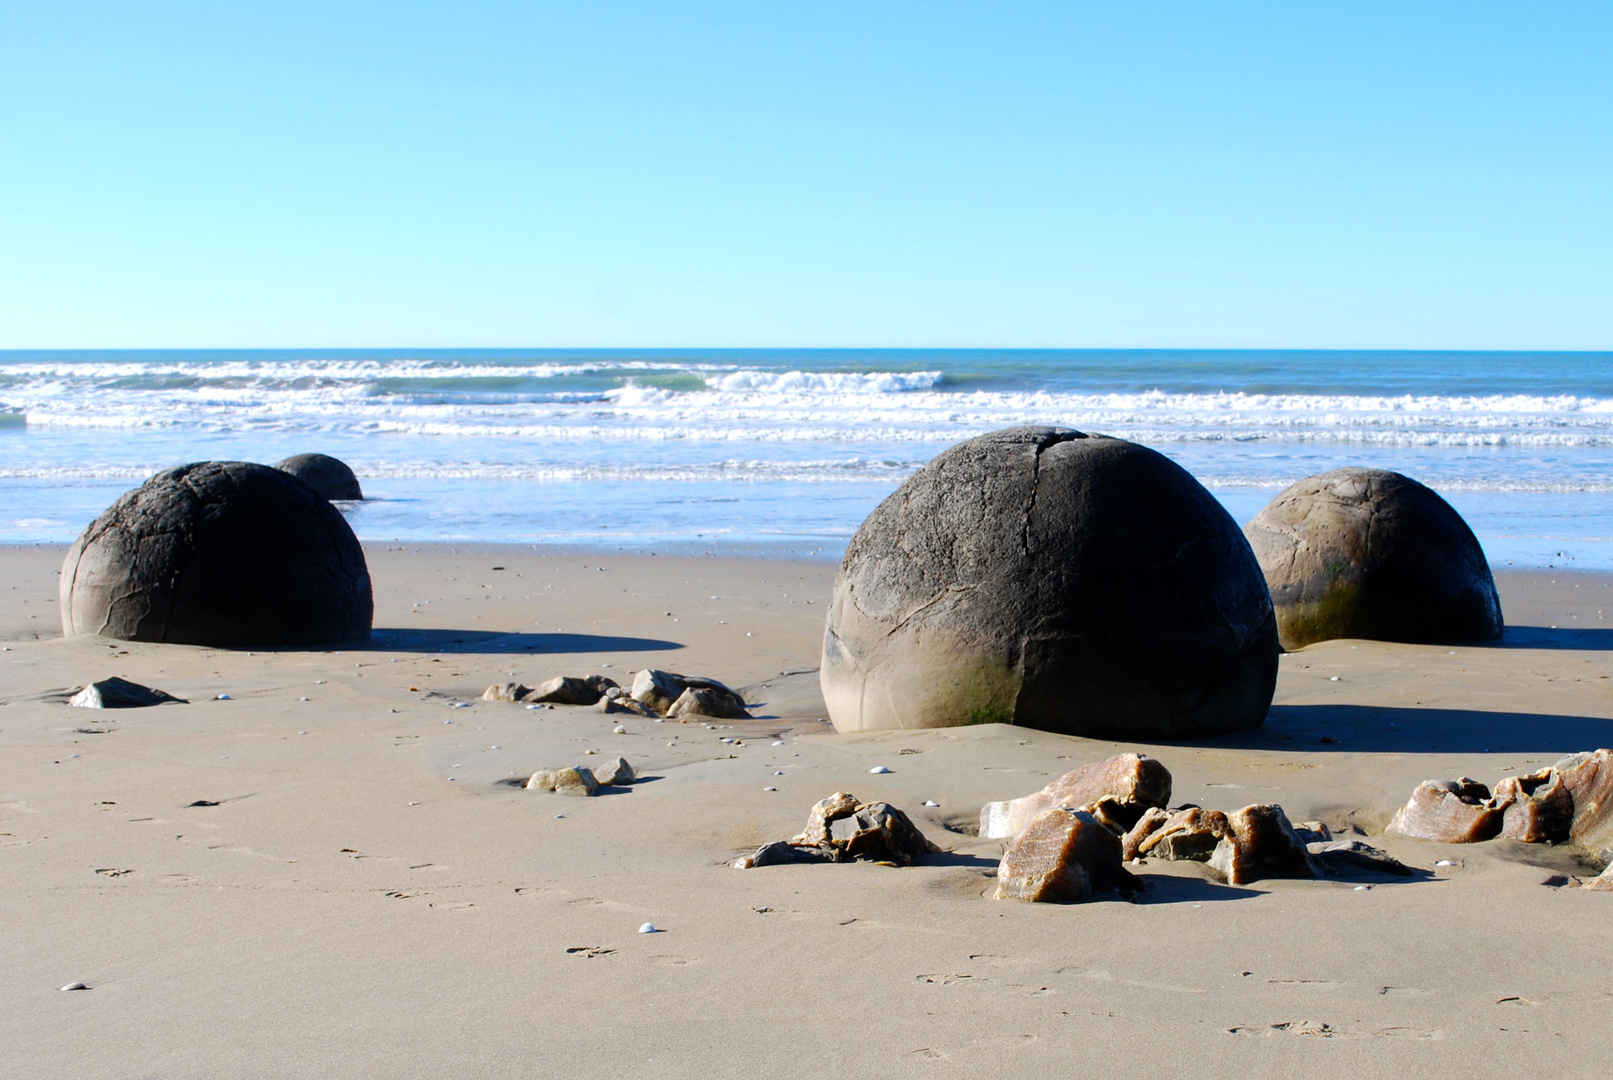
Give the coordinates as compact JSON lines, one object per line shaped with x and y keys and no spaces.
{"x":1063,"y":857}
{"x":1451,"y":811}
{"x":1537,"y":808}
{"x":116,"y":693}
{"x":570,"y":690}
{"x":1260,"y":843}
{"x":842,"y":829}
{"x":1134,"y":781}
{"x":510,"y":691}
{"x":327,"y":475}
{"x":572,"y":780}
{"x":1040,"y":576}
{"x":671,"y":694}
{"x":1366,"y":553}
{"x":218,"y":553}
{"x":1191,"y":834}
{"x":616,"y":774}
{"x":1589,"y":780}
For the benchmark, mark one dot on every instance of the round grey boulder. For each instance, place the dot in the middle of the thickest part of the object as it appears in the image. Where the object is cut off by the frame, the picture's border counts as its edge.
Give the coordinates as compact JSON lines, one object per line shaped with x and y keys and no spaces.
{"x":1044,"y":577}
{"x":218,"y":553}
{"x":327,"y":475}
{"x":1367,"y":553}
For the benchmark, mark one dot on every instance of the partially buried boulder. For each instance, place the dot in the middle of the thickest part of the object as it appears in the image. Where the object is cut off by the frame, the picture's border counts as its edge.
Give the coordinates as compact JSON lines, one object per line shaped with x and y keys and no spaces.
{"x":1450,"y":811}
{"x":1064,"y":857}
{"x":1135,"y":782}
{"x":677,"y":695}
{"x":221,"y":553}
{"x":327,"y":475}
{"x":842,"y":829}
{"x":1063,"y":581}
{"x":1260,"y":843}
{"x":1366,"y":553}
{"x":116,"y":693}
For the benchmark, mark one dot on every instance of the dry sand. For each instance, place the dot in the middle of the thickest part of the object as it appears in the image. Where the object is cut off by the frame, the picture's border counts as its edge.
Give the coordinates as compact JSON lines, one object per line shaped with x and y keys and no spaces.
{"x":370,"y":898}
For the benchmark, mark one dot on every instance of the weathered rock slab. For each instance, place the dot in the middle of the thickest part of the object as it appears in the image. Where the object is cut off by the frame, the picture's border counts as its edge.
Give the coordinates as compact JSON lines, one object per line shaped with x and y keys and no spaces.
{"x":1261,"y":843}
{"x":573,"y":780}
{"x":116,"y":693}
{"x":1135,"y":781}
{"x":1451,"y":811}
{"x":1063,"y":857}
{"x":842,"y":829}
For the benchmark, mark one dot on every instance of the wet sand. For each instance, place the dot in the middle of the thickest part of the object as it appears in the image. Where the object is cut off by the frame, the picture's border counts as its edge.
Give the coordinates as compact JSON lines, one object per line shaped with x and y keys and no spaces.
{"x":369,"y":895}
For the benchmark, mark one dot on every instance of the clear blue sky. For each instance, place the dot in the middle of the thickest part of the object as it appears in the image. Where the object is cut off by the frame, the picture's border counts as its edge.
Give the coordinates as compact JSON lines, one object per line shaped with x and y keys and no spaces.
{"x":867,"y":173}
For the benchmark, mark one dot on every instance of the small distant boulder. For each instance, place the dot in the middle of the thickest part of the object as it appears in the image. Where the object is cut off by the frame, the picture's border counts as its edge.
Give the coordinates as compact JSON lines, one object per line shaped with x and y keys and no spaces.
{"x":616,"y":774}
{"x":1603,"y":882}
{"x":1450,"y":811}
{"x":842,"y":829}
{"x":674,"y":695}
{"x":510,"y":691}
{"x":1366,"y":553}
{"x":1064,"y":857}
{"x":116,"y":693}
{"x":327,"y":475}
{"x":1260,"y":843}
{"x":221,"y":553}
{"x":1052,"y":579}
{"x":575,"y":780}
{"x":571,"y":690}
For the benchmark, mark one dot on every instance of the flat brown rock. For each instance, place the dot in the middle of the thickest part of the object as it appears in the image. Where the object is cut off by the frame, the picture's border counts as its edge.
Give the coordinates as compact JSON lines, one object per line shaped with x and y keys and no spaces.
{"x":1450,"y":811}
{"x":1261,"y":844}
{"x":1135,"y":781}
{"x":1537,"y":808}
{"x":1063,"y":857}
{"x":570,"y":690}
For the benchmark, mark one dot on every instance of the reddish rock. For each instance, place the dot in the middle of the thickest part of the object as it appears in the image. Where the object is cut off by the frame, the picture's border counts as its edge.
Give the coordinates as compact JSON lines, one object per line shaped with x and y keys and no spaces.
{"x":1589,"y":780}
{"x":1261,"y":844}
{"x":1537,"y":808}
{"x":1451,"y":811}
{"x":1063,"y":857}
{"x":1147,"y":825}
{"x":1134,"y":781}
{"x":1603,"y":883}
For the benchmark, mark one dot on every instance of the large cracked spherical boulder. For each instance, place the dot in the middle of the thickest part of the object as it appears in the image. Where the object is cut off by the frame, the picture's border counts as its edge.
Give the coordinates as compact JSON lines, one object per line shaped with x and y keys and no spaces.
{"x":1040,"y":576}
{"x":1367,"y":553}
{"x":218,"y":553}
{"x":327,"y":475}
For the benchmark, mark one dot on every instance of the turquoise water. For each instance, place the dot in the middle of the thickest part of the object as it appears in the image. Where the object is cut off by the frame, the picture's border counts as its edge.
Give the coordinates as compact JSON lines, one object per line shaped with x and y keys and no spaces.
{"x":659,"y":448}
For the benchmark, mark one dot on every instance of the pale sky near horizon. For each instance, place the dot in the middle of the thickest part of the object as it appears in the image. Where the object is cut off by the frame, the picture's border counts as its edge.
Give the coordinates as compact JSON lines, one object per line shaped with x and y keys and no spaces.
{"x":1151,"y":174}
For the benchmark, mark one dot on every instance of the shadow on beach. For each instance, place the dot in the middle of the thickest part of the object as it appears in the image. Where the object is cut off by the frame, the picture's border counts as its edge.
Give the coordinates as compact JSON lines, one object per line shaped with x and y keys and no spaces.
{"x":1555,"y":637}
{"x":1390,"y":729}
{"x":389,"y":639}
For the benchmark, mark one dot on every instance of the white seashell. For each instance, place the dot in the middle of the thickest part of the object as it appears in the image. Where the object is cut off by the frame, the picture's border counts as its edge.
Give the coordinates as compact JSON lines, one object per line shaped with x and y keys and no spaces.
{"x":931,"y":802}
{"x":770,"y":789}
{"x":75,"y":986}
{"x":1363,"y":888}
{"x":223,"y":697}
{"x":779,"y":742}
{"x":619,"y":730}
{"x":648,"y":928}
{"x":877,"y":769}
{"x":1445,"y":862}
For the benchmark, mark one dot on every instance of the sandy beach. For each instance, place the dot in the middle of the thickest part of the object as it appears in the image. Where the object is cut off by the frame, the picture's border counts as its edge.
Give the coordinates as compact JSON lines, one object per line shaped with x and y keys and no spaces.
{"x":364,"y":893}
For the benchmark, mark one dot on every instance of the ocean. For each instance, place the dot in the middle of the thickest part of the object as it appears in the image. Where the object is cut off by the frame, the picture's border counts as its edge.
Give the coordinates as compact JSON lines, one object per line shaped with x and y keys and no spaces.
{"x":787,"y":450}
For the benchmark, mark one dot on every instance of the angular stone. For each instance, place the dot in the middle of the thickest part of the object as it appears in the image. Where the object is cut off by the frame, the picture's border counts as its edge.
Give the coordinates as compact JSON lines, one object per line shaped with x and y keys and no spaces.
{"x":1354,"y":855}
{"x":575,"y":780}
{"x":1191,"y":834}
{"x":116,"y":693}
{"x":1147,"y":825}
{"x":702,"y":702}
{"x":617,"y":774}
{"x":1112,"y":814}
{"x":1135,"y":781}
{"x":510,"y":691}
{"x":657,"y":689}
{"x":781,"y":852}
{"x":1313,"y":832}
{"x":878,"y":832}
{"x":570,"y":690}
{"x":1537,"y":808}
{"x":1450,"y":811}
{"x":1604,"y":883}
{"x":823,"y":812}
{"x":1063,"y":857}
{"x":1589,"y":779}
{"x":1260,"y":843}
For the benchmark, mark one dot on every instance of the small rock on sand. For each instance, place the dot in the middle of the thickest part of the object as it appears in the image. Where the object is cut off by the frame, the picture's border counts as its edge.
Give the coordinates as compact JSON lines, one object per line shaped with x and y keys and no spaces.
{"x":1063,"y":857}
{"x":617,"y":774}
{"x":574,"y":780}
{"x":1260,"y":843}
{"x":1135,"y":781}
{"x":116,"y":693}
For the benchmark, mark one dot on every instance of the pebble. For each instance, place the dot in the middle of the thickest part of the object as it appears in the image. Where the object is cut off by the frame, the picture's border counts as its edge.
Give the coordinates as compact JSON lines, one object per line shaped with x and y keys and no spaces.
{"x":319,"y":682}
{"x":223,"y":697}
{"x":1334,"y":678}
{"x":1445,"y":862}
{"x":496,"y":746}
{"x":648,"y":928}
{"x":75,"y":986}
{"x":931,"y":802}
{"x":302,"y":733}
{"x":302,"y":699}
{"x":770,"y":789}
{"x":560,"y":815}
{"x":878,"y":769}
{"x":778,"y":742}
{"x":618,"y":730}
{"x":532,"y":706}
{"x":1363,"y":888}
{"x":775,"y":774}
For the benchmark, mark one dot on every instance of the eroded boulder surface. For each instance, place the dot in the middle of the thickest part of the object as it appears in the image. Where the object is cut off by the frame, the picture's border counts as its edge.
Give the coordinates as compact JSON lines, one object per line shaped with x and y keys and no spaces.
{"x":116,"y":693}
{"x":1451,"y":811}
{"x":1135,"y":782}
{"x":1191,"y":834}
{"x":571,"y":690}
{"x":1367,"y":553}
{"x":1064,"y":857}
{"x":572,"y":780}
{"x":510,"y":691}
{"x":1537,"y":808}
{"x":842,"y":829}
{"x":218,"y":553}
{"x":617,"y":773}
{"x":1057,"y":580}
{"x":1260,"y":843}
{"x":1589,"y":780}
{"x":1603,"y":882}
{"x":327,"y":475}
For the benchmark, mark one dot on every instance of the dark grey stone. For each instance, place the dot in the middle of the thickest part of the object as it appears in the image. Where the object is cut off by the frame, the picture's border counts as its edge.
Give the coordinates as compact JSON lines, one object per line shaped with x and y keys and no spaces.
{"x":218,"y":553}
{"x":327,"y":475}
{"x":1366,"y":553}
{"x":1044,"y":577}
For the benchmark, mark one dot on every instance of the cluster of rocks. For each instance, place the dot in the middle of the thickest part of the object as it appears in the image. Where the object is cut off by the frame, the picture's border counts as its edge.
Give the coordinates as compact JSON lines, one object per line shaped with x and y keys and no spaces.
{"x":581,"y":779}
{"x":1569,"y":802}
{"x":843,"y":829}
{"x":221,"y":553}
{"x":116,"y":693}
{"x":653,"y":693}
{"x":1070,"y":841}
